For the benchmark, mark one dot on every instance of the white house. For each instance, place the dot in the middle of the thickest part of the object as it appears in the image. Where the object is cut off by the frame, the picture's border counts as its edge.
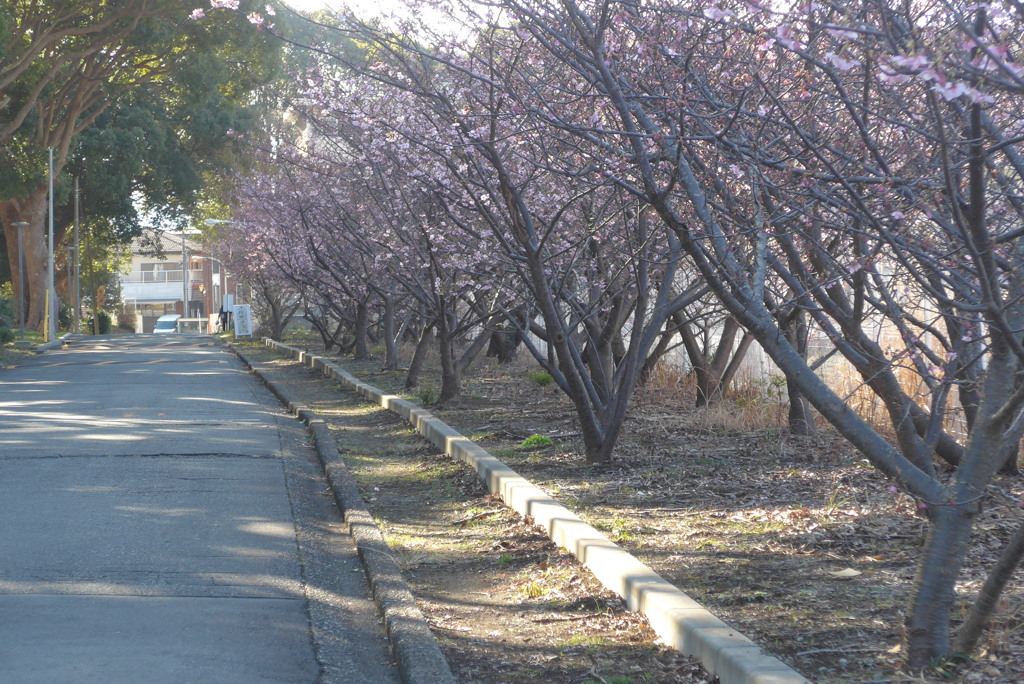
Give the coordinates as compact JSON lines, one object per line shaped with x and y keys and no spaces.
{"x":171,"y":273}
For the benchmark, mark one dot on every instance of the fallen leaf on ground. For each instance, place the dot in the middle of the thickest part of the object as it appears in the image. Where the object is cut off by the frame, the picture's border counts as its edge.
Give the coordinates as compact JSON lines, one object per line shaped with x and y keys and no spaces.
{"x":846,"y":573}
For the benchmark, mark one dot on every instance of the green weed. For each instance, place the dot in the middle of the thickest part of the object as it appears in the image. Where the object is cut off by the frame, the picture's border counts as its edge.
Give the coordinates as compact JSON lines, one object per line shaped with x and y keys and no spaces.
{"x":536,"y":442}
{"x":425,"y":395}
{"x":540,"y":377}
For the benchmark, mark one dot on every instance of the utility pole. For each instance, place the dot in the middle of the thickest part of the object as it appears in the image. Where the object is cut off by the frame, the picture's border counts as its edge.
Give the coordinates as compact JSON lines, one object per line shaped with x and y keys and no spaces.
{"x":75,"y":275}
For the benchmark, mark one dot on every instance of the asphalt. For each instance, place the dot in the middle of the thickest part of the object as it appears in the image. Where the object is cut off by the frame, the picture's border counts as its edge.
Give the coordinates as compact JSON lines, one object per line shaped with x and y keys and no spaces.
{"x":163,"y":519}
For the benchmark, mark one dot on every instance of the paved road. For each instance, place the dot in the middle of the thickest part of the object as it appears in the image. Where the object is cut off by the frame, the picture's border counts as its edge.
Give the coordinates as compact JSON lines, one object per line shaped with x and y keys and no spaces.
{"x":162,"y":520}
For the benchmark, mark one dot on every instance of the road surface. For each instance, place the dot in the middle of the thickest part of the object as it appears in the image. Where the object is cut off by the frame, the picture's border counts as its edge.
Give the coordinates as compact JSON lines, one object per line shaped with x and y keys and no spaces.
{"x":163,"y":520}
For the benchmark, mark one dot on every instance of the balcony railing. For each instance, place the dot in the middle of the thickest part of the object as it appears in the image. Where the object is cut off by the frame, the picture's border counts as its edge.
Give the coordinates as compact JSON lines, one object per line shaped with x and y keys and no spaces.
{"x":161,"y":276}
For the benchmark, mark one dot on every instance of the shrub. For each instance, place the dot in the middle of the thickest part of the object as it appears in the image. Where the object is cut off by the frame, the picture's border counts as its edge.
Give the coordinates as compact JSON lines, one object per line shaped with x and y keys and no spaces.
{"x":7,"y":322}
{"x":125,"y":320}
{"x":425,"y":395}
{"x":104,"y":324}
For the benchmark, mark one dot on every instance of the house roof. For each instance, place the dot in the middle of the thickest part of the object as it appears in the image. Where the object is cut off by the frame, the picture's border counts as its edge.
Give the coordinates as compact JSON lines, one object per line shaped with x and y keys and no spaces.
{"x":154,"y":243}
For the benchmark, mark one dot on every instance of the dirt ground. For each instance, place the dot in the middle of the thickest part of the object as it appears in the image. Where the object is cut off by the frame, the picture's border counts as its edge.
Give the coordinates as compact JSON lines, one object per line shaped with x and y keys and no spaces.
{"x":798,"y":543}
{"x":10,"y":356}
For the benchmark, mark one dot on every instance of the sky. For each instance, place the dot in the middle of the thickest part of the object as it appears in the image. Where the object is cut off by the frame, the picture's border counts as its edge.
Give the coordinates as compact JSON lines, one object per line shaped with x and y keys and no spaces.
{"x":358,"y":5}
{"x":366,"y":8}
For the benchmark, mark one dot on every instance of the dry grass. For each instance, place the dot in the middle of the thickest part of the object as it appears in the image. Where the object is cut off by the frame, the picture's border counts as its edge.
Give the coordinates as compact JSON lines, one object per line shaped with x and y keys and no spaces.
{"x":749,"y":405}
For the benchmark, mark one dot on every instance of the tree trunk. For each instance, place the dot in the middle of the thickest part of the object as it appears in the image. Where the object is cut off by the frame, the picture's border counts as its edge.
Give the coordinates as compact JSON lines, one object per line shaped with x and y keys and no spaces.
{"x":713,"y":372}
{"x":801,"y":417}
{"x":451,"y":385}
{"x":390,"y":346}
{"x":1011,"y":447}
{"x":928,"y":623}
{"x":474,"y":349}
{"x":321,"y":324}
{"x":32,"y":209}
{"x":362,"y":348}
{"x":412,"y":377}
{"x":651,"y":362}
{"x":503,"y":345}
{"x":276,"y":315}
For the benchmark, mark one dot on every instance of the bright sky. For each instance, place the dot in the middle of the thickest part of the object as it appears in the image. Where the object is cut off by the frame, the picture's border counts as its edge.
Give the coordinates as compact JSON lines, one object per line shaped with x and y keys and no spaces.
{"x":361,"y":6}
{"x":366,"y":8}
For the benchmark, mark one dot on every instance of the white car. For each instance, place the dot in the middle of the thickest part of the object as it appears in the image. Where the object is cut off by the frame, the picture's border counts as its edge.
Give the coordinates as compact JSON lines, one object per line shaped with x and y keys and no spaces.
{"x":167,"y":324}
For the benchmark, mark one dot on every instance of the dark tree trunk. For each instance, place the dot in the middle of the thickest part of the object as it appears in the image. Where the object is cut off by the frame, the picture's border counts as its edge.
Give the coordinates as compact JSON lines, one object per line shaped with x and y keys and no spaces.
{"x":321,"y":328}
{"x":651,"y":362}
{"x":32,"y":209}
{"x":1012,"y":453}
{"x":474,"y":349}
{"x":362,"y":349}
{"x":928,"y":623}
{"x":503,"y":345}
{"x":390,"y":344}
{"x":451,"y":385}
{"x":801,"y":417}
{"x":714,"y":372}
{"x":274,"y":306}
{"x":412,"y":377}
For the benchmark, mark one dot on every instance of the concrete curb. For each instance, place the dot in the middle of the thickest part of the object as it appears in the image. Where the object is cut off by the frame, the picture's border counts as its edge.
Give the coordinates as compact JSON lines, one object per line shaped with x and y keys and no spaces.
{"x":413,"y":645}
{"x":679,"y":620}
{"x":55,"y":344}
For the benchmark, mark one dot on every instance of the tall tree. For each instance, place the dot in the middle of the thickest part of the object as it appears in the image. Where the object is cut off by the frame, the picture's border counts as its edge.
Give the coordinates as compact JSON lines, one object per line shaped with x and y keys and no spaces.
{"x":165,"y":89}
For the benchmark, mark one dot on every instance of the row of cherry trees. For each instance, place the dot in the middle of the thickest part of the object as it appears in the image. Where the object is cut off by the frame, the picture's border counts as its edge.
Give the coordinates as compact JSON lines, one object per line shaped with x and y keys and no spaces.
{"x":597,"y":176}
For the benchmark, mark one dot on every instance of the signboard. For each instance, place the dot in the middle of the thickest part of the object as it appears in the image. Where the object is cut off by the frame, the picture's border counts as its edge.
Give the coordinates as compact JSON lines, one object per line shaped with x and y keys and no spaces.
{"x":229,"y":301}
{"x":243,"y":321}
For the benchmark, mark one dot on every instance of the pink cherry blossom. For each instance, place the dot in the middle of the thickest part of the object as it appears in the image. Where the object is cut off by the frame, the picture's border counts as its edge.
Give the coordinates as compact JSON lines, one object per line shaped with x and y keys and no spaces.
{"x":840,"y":63}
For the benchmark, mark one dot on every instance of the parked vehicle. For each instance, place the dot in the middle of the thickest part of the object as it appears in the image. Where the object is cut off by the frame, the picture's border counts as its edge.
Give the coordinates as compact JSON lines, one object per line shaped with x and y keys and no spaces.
{"x":167,"y":324}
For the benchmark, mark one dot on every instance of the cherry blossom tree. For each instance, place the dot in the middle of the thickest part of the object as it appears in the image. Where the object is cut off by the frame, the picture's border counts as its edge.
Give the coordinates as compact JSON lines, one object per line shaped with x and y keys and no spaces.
{"x":601,"y":284}
{"x":859,"y":163}
{"x":854,"y":169}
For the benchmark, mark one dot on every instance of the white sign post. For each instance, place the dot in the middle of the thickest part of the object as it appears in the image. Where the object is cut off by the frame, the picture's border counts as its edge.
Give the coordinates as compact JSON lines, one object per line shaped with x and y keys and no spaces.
{"x":243,"y":320}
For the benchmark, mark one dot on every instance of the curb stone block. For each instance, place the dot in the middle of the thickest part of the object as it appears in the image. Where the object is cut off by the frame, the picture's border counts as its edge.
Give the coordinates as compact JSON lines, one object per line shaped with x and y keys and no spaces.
{"x":414,"y":647}
{"x":679,"y":620}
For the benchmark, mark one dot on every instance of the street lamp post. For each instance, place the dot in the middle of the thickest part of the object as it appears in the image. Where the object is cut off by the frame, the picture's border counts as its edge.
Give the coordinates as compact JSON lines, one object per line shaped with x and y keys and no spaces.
{"x":184,"y":278}
{"x":20,"y":225}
